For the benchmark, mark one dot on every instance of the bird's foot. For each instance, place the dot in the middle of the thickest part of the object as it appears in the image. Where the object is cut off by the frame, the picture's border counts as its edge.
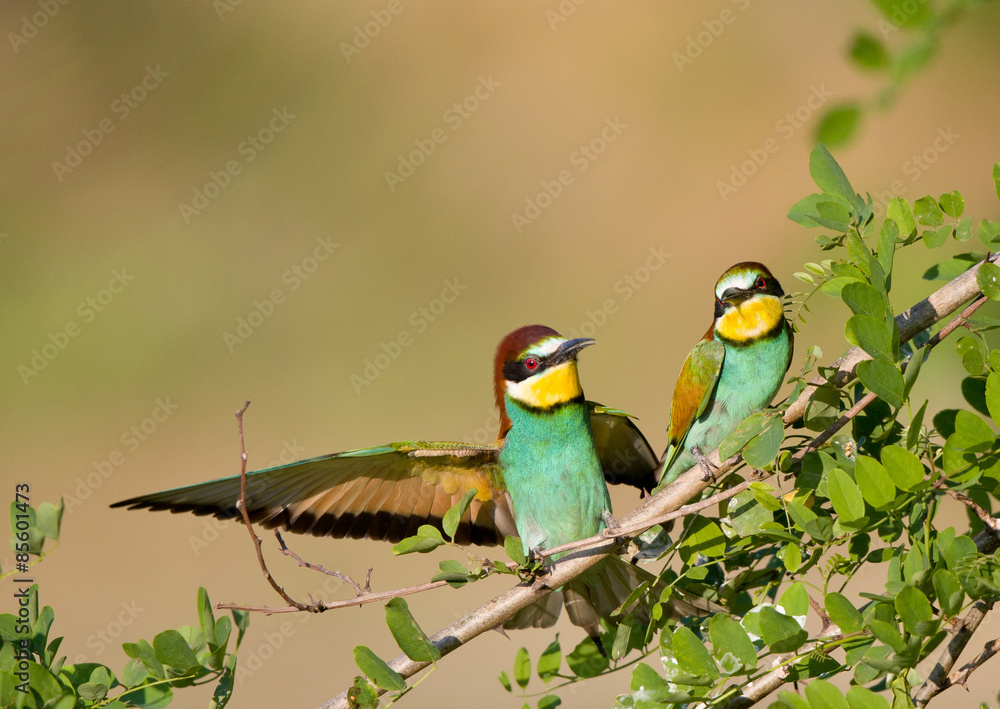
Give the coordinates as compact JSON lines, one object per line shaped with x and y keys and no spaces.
{"x":609,"y":521}
{"x":707,"y":468}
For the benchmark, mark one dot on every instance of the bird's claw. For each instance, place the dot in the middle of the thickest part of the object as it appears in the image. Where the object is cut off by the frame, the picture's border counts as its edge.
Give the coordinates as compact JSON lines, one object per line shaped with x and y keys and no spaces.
{"x":609,"y":521}
{"x":707,"y":468}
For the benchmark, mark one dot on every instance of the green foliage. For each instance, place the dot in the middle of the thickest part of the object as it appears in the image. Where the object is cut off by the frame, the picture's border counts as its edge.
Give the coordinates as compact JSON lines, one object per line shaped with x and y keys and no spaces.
{"x":908,"y":36}
{"x":33,"y":675}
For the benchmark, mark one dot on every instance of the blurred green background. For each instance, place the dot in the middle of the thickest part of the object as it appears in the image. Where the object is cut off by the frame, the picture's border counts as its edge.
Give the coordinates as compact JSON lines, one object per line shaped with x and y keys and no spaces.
{"x":250,"y":135}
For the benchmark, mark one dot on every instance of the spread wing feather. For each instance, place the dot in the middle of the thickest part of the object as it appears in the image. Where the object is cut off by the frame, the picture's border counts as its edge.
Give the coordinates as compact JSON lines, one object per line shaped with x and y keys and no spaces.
{"x":383,"y":493}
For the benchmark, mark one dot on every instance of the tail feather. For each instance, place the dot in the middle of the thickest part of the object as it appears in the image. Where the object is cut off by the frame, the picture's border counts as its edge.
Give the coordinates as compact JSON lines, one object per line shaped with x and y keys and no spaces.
{"x":541,"y":614}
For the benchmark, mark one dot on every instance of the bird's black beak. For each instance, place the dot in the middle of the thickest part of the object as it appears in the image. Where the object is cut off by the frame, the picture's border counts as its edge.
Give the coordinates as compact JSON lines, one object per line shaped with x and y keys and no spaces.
{"x":733,"y":295}
{"x":569,"y":348}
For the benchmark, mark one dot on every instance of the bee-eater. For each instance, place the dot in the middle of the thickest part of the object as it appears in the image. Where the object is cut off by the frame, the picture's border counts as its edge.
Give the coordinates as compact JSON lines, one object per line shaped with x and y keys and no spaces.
{"x":735,"y":370}
{"x":543,"y":480}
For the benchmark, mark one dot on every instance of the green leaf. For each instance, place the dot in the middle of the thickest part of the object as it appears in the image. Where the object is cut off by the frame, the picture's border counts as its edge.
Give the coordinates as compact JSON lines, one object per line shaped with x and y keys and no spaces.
{"x":828,"y":175}
{"x":963,"y":229}
{"x":904,"y":468}
{"x":804,"y":211}
{"x":864,"y":299}
{"x":993,"y":396}
{"x":935,"y":238}
{"x":972,"y":435}
{"x":729,"y":638}
{"x":884,"y":380}
{"x":839,"y":124}
{"x":173,"y":651}
{"x":888,"y":235}
{"x":426,"y":539}
{"x":873,"y":480}
{"x":750,"y":426}
{"x":779,"y":632}
{"x":972,"y":355}
{"x":843,"y":613}
{"x":453,"y":516}
{"x":648,"y":685}
{"x":988,"y":280}
{"x":747,"y":514}
{"x":361,"y":695}
{"x":871,"y":335}
{"x":927,"y":211}
{"x":586,"y":660}
{"x":505,"y":680}
{"x":915,"y":611}
{"x":205,"y":618}
{"x":762,"y":448}
{"x":791,"y":557}
{"x":515,"y":550}
{"x":376,"y":669}
{"x":915,"y":427}
{"x":49,"y":519}
{"x":794,"y":601}
{"x":913,"y":366}
{"x":522,"y":668}
{"x":863,"y":698}
{"x":133,"y":673}
{"x":996,"y":178}
{"x":845,"y":496}
{"x":821,"y":693}
{"x":549,"y":701}
{"x":952,"y":203}
{"x":949,"y":592}
{"x":900,"y":212}
{"x":692,"y":655}
{"x":412,"y":640}
{"x":550,"y":661}
{"x":988,"y":231}
{"x":868,"y":52}
{"x":703,"y":537}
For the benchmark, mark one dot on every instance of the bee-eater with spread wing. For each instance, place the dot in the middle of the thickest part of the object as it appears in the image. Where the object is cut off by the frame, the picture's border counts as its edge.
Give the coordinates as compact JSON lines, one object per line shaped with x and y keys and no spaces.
{"x":543,"y":480}
{"x":735,"y":370}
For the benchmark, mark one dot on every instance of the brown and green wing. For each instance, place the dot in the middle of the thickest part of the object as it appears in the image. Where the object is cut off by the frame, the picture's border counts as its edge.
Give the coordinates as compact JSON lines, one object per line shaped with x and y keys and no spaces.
{"x":382,"y":493}
{"x":693,"y":391}
{"x":625,"y":454}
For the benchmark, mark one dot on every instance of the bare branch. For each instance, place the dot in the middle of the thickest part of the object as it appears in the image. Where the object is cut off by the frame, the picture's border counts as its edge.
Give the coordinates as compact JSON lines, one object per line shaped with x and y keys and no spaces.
{"x":988,"y":519}
{"x":343,"y":578}
{"x":370,"y":597}
{"x":959,"y":678}
{"x":961,"y":634}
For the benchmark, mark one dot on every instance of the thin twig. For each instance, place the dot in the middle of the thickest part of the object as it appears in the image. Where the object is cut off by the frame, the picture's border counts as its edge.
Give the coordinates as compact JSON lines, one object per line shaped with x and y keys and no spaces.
{"x":241,"y":505}
{"x":988,"y":519}
{"x":371,"y":597}
{"x":937,"y":680}
{"x":343,"y":578}
{"x":959,"y":678}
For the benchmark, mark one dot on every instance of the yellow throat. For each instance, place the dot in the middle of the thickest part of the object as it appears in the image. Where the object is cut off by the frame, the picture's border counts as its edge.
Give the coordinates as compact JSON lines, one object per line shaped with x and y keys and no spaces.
{"x":750,"y":319}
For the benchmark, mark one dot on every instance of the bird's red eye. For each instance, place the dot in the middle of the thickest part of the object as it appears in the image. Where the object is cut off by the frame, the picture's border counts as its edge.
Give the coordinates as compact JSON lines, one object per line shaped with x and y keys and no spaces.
{"x":761,"y":283}
{"x":531,"y":363}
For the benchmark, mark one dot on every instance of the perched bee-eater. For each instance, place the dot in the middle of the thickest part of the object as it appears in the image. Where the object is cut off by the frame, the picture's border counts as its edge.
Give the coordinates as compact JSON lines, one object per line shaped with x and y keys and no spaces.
{"x":735,"y":370}
{"x":543,"y":480}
